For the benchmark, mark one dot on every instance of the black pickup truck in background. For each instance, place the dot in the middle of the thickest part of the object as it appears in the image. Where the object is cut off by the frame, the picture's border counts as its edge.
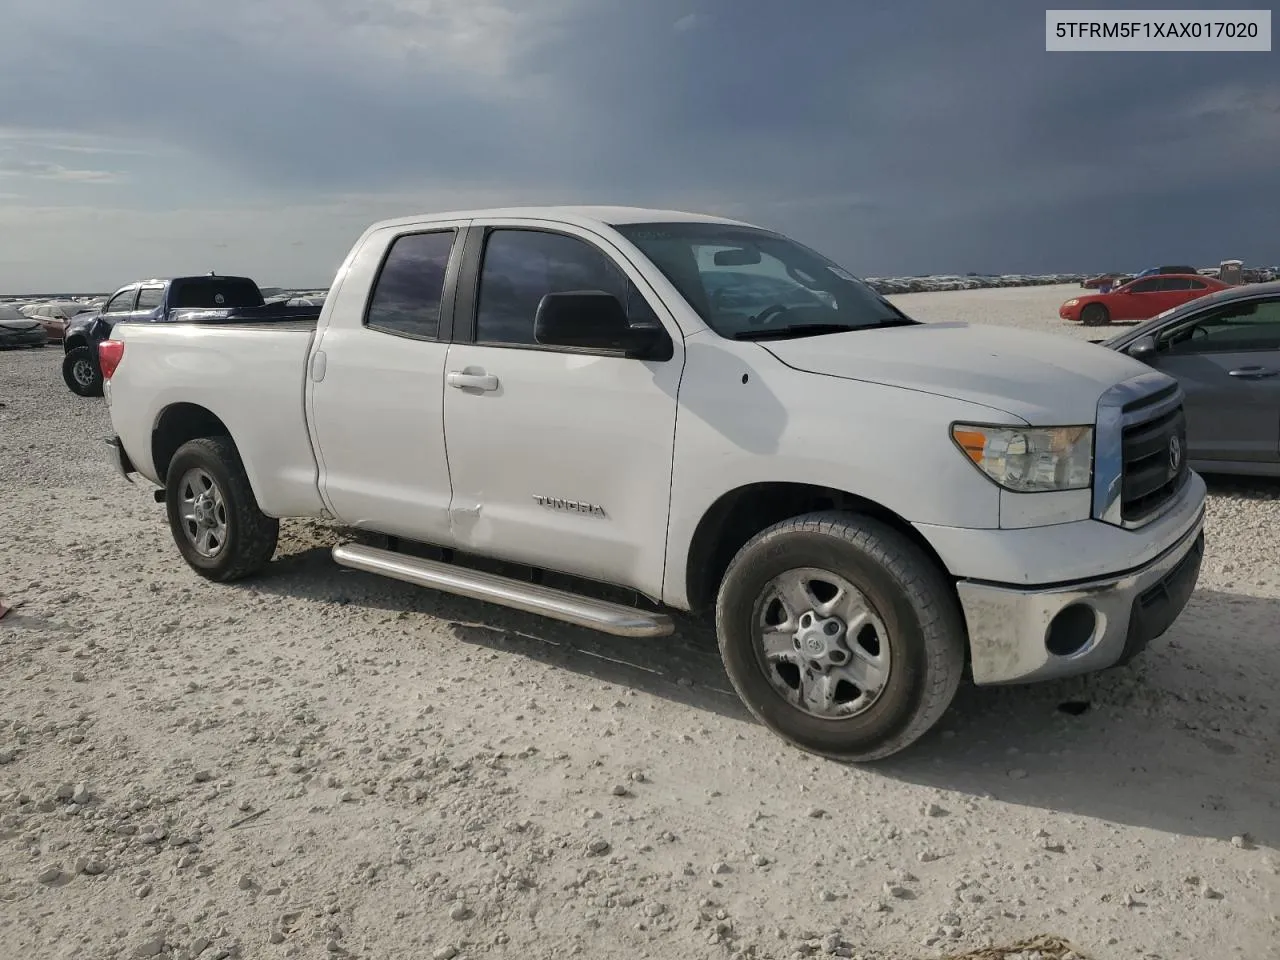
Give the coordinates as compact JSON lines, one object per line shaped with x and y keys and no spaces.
{"x":210,"y":298}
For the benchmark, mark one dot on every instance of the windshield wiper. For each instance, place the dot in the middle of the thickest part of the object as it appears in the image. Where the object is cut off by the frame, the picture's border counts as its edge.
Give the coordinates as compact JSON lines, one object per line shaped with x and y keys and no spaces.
{"x":816,"y":329}
{"x":797,"y":330}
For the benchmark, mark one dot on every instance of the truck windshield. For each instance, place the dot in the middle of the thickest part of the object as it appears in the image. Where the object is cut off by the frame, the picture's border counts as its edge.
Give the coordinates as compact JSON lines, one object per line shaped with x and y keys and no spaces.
{"x":214,"y":292}
{"x":747,"y":283}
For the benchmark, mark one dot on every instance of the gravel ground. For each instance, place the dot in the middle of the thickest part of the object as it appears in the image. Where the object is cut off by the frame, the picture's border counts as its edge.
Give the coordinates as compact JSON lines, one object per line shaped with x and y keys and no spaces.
{"x":324,"y":763}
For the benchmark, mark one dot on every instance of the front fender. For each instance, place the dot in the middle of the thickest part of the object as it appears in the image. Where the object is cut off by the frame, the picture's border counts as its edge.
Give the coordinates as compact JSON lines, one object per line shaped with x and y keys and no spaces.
{"x":745,"y":418}
{"x":71,"y":341}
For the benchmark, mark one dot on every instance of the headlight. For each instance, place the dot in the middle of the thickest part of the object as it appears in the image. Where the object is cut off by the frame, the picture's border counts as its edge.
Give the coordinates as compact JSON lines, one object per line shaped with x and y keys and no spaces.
{"x":1029,"y":459}
{"x":1072,"y":302}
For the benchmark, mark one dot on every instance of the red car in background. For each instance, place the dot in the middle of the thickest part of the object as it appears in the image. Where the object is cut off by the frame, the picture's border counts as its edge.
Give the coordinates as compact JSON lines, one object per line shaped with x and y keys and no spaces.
{"x":1105,"y":279}
{"x":1139,"y":299}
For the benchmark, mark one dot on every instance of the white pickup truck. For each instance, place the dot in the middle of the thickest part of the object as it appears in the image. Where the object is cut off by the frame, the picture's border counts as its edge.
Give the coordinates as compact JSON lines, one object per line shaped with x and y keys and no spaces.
{"x":708,"y":414}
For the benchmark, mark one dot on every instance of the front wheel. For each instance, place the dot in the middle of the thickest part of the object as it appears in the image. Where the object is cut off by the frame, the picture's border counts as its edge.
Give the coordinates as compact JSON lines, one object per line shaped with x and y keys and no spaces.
{"x":840,"y":635}
{"x":81,"y":373}
{"x":1095,"y":315}
{"x":213,"y":513}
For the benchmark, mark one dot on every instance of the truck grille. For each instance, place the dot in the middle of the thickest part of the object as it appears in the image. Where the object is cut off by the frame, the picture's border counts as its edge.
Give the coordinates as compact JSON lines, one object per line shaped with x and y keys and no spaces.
{"x":1153,"y":455}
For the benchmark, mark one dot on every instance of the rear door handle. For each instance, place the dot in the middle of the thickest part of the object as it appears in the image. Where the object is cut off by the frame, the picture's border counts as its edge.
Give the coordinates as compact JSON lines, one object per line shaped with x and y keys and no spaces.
{"x":472,"y":381}
{"x":1252,"y":373}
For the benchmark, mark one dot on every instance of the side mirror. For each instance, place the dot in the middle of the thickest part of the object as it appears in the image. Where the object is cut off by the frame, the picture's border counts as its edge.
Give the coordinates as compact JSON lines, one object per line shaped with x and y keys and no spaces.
{"x":1143,"y":348}
{"x":595,"y":320}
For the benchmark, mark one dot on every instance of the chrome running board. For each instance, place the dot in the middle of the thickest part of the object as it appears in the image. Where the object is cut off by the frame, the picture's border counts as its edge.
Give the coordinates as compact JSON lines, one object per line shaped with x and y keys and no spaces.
{"x":611,"y":618}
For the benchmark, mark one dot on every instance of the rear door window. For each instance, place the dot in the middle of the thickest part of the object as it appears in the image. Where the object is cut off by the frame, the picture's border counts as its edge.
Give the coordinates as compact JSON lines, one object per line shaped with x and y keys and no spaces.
{"x":149,"y":298}
{"x":406,"y":297}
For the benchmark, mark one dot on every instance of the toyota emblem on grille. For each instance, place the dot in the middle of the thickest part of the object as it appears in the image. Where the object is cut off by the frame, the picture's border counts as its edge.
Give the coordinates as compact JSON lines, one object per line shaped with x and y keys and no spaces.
{"x":1175,"y":454}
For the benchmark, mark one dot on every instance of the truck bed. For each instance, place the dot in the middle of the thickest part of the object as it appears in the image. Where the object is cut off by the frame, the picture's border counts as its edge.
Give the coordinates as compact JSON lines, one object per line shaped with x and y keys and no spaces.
{"x":248,"y":372}
{"x":271,"y":315}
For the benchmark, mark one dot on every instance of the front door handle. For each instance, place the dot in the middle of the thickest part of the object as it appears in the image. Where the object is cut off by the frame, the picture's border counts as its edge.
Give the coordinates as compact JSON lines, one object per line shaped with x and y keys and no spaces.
{"x":472,"y":381}
{"x":1252,"y":373}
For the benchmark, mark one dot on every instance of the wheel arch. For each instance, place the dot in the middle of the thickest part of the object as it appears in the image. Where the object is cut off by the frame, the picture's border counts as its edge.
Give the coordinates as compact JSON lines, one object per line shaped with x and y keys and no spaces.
{"x":179,"y":423}
{"x":741,"y":513}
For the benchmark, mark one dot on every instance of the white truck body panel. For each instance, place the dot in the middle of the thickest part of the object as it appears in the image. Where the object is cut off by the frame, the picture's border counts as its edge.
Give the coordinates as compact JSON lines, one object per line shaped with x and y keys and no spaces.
{"x":596,"y":430}
{"x":1040,"y":377}
{"x":828,"y":431}
{"x":378,"y":400}
{"x":251,"y":378}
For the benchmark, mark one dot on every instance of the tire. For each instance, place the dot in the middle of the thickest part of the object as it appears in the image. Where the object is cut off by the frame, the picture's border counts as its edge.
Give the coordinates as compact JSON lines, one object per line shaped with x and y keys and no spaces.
{"x":243,"y":538}
{"x":1095,"y":315}
{"x":80,"y":372}
{"x":916,"y":617}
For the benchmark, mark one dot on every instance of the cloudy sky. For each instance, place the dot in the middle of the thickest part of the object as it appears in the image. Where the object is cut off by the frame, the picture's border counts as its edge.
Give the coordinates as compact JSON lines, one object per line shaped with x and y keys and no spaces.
{"x":145,"y":137}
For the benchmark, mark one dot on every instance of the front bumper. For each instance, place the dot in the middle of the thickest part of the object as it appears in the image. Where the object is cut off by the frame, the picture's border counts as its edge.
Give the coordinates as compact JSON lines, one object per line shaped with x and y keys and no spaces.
{"x":1028,"y":634}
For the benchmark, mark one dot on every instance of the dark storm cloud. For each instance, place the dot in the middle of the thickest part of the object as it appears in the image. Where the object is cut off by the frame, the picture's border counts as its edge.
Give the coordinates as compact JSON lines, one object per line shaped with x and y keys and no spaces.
{"x":898,"y":136}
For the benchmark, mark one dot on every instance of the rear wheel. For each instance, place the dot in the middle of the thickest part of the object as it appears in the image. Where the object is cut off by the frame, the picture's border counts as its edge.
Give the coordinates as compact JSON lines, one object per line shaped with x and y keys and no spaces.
{"x":840,"y":635}
{"x":81,"y":373}
{"x":1095,"y":315}
{"x":213,"y":513}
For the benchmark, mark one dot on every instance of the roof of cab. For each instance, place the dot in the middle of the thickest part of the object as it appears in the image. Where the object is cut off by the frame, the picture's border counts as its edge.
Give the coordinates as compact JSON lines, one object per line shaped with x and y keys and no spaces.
{"x":586,"y":216}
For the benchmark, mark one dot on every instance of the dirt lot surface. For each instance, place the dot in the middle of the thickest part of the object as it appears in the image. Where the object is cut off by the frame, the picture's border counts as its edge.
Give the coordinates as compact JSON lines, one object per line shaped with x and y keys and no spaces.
{"x":321,"y":763}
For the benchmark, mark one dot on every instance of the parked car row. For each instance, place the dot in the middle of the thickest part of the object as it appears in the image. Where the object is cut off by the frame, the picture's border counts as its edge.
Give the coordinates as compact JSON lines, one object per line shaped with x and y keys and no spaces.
{"x":55,"y":315}
{"x":1230,"y":271}
{"x":19,"y":330}
{"x":937,"y":284}
{"x":51,"y":316}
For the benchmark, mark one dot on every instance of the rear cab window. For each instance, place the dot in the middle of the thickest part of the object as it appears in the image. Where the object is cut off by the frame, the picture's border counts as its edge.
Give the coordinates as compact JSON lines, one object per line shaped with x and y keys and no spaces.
{"x":212,"y":293}
{"x":407,"y":294}
{"x":149,"y":298}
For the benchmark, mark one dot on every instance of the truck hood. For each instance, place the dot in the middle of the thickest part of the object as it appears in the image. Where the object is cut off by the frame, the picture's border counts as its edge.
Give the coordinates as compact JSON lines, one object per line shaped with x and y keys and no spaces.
{"x":1043,"y":378}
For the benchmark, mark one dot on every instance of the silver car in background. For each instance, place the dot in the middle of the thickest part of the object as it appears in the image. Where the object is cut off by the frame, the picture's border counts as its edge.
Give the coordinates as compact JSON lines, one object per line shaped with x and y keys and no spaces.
{"x":1224,"y":349}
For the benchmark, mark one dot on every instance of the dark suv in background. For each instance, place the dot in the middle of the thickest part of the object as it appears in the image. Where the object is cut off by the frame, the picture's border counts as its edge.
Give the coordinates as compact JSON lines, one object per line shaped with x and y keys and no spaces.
{"x":152,"y":301}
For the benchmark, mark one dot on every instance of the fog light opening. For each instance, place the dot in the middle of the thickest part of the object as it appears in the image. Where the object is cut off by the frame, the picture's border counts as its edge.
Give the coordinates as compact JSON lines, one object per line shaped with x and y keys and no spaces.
{"x":1071,"y":630}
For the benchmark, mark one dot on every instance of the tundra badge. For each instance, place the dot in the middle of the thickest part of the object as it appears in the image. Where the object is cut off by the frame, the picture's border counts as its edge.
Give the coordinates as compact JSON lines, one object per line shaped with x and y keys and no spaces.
{"x":569,"y":506}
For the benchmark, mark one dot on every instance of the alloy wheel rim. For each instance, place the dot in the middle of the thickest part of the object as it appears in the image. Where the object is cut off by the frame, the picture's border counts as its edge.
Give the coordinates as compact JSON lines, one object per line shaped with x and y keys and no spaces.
{"x":203,"y":512}
{"x":821,"y":644}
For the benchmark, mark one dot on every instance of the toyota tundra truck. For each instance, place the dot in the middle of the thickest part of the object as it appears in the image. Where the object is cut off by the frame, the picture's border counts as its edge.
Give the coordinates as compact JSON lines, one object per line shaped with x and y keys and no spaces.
{"x":707,"y":414}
